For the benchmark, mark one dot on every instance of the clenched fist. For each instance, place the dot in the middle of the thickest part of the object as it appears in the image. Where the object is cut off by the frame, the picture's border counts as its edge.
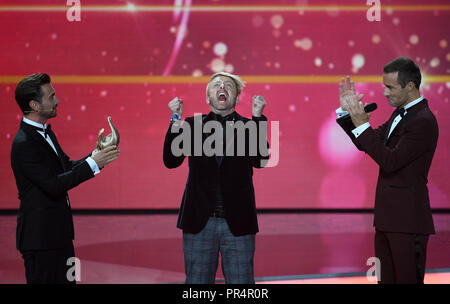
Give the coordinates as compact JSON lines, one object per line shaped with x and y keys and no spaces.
{"x":258,"y":106}
{"x":176,"y":106}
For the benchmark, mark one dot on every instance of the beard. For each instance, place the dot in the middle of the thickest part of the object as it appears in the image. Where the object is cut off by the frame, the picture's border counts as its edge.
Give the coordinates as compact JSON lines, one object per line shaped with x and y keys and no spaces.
{"x":48,"y":113}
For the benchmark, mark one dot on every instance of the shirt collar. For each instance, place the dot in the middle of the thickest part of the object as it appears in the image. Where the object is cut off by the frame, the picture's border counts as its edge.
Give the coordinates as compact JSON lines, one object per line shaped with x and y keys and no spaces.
{"x":33,"y":123}
{"x":413,"y":103}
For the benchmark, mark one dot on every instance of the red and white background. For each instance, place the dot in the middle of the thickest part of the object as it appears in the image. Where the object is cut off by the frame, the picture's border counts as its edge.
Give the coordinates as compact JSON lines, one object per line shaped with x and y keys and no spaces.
{"x":128,"y":59}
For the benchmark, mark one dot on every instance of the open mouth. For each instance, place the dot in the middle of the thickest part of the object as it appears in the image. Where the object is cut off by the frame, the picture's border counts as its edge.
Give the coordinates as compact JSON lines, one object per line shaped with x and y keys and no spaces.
{"x":222,"y":97}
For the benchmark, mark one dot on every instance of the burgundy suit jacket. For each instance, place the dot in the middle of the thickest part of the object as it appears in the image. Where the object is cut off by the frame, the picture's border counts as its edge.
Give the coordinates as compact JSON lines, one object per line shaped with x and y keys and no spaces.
{"x":401,"y":202}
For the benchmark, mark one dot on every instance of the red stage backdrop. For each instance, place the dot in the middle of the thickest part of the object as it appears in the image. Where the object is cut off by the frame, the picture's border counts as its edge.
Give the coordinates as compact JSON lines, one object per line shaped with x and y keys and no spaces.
{"x":128,"y":59}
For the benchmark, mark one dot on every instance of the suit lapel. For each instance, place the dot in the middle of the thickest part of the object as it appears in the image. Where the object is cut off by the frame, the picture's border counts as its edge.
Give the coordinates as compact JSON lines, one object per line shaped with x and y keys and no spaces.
{"x":401,"y":123}
{"x":391,"y":121}
{"x":409,"y":114}
{"x":58,"y":149}
{"x":41,"y":141}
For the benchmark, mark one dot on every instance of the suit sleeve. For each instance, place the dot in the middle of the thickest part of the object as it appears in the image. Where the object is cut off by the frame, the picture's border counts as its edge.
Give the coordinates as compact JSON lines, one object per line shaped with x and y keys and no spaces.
{"x":170,"y":160}
{"x":416,"y":140}
{"x":41,"y":175}
{"x":262,"y":156}
{"x":347,"y":125}
{"x":73,"y":163}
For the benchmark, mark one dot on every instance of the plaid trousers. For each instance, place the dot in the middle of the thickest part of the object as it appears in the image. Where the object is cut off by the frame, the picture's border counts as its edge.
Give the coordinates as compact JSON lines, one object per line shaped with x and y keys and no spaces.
{"x":201,"y":254}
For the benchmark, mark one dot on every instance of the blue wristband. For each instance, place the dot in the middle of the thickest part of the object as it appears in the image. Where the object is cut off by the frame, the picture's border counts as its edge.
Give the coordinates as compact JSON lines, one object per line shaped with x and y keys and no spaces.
{"x":175,"y":116}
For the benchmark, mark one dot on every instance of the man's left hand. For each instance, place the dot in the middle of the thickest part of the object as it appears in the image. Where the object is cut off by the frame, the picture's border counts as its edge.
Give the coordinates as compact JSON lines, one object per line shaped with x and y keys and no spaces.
{"x":258,"y":106}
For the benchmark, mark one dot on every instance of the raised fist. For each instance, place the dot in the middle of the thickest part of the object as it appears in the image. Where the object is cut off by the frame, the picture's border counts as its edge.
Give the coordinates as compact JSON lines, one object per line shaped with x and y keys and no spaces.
{"x":176,"y":106}
{"x":258,"y":106}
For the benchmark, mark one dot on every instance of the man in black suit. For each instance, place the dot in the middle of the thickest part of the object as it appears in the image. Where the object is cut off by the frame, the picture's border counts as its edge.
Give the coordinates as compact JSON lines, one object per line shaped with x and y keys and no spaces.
{"x":44,"y":174}
{"x":218,"y":212}
{"x":403,"y":147}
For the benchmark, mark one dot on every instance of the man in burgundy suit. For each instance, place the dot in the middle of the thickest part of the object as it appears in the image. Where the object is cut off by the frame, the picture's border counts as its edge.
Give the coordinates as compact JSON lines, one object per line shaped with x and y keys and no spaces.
{"x":403,"y":147}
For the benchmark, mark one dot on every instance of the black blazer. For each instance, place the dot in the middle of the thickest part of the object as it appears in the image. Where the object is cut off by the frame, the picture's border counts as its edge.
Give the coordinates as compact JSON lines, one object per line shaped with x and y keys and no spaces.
{"x":234,"y":174}
{"x":44,"y":219}
{"x":402,"y":203}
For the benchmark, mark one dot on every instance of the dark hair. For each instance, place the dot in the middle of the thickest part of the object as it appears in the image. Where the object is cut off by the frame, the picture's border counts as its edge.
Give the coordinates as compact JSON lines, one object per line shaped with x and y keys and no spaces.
{"x":407,"y":71}
{"x":29,"y":89}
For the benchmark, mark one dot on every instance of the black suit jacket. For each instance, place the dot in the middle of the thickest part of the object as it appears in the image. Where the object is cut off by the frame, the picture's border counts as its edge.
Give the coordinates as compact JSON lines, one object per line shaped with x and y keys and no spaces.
{"x":44,"y":219}
{"x":401,"y":202}
{"x":234,"y":174}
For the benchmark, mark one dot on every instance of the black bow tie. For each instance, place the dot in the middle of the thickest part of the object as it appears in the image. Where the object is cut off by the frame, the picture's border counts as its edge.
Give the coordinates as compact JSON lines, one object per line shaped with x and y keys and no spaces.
{"x":400,"y":111}
{"x":46,"y":130}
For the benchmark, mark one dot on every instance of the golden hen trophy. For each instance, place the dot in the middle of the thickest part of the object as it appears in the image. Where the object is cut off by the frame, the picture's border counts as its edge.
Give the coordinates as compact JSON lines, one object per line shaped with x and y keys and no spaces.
{"x":112,"y":139}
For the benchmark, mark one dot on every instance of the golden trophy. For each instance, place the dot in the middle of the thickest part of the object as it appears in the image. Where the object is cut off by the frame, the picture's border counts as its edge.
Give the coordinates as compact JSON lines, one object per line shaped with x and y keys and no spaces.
{"x":112,"y":139}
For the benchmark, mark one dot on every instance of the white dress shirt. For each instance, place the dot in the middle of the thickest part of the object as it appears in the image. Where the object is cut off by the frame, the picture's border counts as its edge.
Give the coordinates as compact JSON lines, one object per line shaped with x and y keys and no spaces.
{"x":89,"y":160}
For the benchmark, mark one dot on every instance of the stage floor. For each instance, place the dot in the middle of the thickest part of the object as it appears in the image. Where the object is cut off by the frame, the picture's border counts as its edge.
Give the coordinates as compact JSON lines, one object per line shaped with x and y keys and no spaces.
{"x":290,"y":248}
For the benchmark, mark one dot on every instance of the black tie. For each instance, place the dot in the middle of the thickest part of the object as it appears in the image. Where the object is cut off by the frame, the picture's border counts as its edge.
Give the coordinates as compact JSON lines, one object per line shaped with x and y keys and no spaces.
{"x":400,"y":111}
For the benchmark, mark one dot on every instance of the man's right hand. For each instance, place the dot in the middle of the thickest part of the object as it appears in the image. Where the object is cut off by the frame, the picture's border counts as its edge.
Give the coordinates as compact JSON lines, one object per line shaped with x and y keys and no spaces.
{"x":104,"y":157}
{"x":176,"y":106}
